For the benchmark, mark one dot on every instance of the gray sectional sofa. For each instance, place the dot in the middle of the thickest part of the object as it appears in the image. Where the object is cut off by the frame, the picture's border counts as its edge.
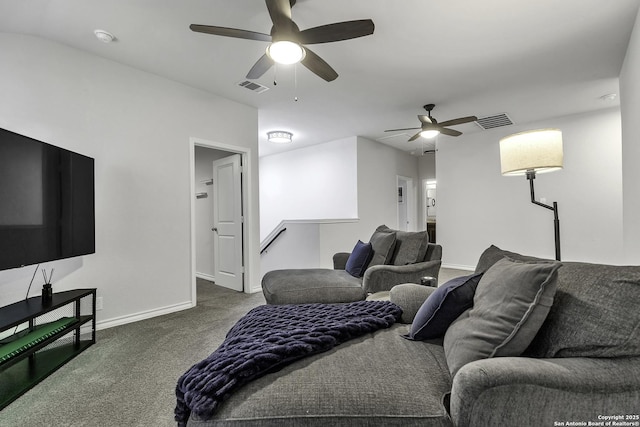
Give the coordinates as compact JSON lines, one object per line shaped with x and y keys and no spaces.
{"x":582,"y":365}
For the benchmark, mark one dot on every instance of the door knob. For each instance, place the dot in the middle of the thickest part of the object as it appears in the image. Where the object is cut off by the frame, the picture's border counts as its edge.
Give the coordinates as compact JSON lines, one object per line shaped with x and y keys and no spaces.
{"x":214,"y":229}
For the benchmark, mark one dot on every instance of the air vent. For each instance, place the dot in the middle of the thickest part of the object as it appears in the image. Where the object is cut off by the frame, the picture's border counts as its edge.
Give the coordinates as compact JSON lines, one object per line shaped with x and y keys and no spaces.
{"x":255,"y":87}
{"x":495,"y":121}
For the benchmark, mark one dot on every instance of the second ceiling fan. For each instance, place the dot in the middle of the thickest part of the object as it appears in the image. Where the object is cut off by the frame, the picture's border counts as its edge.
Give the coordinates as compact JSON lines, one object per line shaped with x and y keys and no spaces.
{"x":430,"y":127}
{"x":287,"y":40}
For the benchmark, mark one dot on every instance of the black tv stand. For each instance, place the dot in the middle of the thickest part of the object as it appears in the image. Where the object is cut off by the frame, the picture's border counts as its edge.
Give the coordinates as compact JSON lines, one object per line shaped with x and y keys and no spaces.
{"x":52,"y":333}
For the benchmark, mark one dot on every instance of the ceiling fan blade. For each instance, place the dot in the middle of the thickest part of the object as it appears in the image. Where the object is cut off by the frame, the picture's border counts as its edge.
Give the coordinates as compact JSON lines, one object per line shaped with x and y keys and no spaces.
{"x":450,"y":132}
{"x":414,"y":137}
{"x":280,"y":13}
{"x":424,"y":119}
{"x":398,"y":130}
{"x":260,"y":67}
{"x":318,"y":66}
{"x":337,"y":32}
{"x":459,"y":121}
{"x":230,"y":32}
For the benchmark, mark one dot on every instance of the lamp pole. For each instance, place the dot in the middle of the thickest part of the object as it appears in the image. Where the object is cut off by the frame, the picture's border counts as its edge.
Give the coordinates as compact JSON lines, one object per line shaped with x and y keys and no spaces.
{"x":531,"y":175}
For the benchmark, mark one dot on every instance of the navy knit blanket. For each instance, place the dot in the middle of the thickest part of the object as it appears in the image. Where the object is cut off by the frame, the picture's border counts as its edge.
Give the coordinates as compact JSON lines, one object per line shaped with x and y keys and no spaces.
{"x":270,"y":337}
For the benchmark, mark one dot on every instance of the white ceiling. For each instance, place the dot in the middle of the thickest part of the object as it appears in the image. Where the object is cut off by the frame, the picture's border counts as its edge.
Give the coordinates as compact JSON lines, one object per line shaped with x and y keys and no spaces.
{"x":530,"y":59}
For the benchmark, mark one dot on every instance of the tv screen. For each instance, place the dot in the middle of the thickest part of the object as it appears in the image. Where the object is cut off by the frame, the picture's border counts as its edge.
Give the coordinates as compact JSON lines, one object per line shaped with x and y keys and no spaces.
{"x":47,"y":209}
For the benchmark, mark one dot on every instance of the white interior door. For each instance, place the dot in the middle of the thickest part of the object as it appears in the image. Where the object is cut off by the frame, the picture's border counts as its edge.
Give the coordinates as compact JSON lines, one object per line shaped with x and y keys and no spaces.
{"x":227,"y":222}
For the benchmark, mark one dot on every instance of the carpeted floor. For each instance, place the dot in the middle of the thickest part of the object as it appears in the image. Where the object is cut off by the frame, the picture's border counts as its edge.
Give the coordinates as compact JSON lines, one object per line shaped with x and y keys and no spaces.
{"x":128,"y":377}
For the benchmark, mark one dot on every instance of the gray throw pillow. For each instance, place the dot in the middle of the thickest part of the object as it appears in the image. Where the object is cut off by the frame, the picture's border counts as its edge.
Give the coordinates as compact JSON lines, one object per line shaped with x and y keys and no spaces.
{"x":493,"y":254}
{"x":411,"y":246}
{"x":383,"y":244}
{"x":511,"y":302}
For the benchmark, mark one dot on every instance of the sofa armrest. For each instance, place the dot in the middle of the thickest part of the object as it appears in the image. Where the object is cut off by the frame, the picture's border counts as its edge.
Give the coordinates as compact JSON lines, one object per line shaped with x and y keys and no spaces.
{"x":410,"y":297}
{"x":525,"y":391}
{"x":340,"y":260}
{"x":384,"y":277}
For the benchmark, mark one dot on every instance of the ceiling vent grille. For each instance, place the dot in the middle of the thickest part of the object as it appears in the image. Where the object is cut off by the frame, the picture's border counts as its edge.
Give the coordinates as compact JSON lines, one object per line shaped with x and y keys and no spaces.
{"x":495,"y":121}
{"x":255,"y":87}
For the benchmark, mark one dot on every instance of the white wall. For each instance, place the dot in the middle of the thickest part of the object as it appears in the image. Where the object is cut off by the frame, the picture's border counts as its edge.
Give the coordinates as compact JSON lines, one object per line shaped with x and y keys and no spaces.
{"x":630,"y":104}
{"x":137,"y":126}
{"x":315,"y":182}
{"x":478,"y":207}
{"x":204,"y":158}
{"x":297,"y":247}
{"x":378,"y":168}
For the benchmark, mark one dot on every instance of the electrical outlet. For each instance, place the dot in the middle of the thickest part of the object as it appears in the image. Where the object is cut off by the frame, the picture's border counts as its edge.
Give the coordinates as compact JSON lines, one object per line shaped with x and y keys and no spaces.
{"x":99,"y":303}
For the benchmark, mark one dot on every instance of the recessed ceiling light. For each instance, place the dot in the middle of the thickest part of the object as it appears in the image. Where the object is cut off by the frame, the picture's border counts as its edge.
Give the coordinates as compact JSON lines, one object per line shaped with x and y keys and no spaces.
{"x":609,"y":97}
{"x":104,"y":36}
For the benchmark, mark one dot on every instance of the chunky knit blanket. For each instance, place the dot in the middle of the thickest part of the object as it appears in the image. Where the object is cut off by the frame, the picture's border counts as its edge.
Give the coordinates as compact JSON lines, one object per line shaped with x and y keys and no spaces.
{"x":268,"y":338}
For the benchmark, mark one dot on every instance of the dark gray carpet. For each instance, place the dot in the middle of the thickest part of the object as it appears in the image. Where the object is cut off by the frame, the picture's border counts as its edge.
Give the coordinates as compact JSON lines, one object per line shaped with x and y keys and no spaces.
{"x":128,"y":377}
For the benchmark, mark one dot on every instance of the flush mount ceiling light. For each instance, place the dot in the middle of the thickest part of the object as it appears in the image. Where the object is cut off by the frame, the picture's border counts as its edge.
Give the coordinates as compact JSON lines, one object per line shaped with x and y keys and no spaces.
{"x":104,"y":36}
{"x":286,"y":52}
{"x":280,"y":136}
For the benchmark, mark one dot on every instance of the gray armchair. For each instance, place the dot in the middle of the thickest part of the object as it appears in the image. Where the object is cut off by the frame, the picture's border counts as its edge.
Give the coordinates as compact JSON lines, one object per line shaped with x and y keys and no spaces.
{"x":409,"y":258}
{"x":383,"y":277}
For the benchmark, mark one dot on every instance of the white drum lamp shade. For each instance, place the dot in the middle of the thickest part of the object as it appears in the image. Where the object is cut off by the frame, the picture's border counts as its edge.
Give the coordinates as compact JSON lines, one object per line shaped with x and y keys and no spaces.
{"x":536,"y":151}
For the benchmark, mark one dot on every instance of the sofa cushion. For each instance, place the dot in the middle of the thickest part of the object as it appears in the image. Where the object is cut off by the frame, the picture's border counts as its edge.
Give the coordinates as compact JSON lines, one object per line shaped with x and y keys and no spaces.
{"x":595,"y":313}
{"x":444,"y":306}
{"x":410,"y":248}
{"x":511,"y":302}
{"x":493,"y":254}
{"x":355,"y":384}
{"x":383,"y":243}
{"x":311,"y":285}
{"x":359,"y":259}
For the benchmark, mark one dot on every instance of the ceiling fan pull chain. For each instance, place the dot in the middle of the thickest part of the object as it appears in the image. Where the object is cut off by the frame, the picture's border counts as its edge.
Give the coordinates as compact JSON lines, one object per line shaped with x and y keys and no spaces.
{"x":295,"y":82}
{"x":275,"y":74}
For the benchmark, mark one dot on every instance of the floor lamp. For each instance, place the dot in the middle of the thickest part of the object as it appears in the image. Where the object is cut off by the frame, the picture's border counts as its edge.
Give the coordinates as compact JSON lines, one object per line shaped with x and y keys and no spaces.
{"x":531,"y":152}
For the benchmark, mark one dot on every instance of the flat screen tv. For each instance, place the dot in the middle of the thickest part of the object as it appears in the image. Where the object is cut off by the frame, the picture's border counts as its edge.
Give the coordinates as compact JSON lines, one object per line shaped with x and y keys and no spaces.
{"x":47,"y":202}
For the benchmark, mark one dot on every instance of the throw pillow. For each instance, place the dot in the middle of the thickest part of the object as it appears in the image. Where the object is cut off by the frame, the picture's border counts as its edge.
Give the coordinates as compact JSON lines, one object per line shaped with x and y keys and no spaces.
{"x":383,"y":244}
{"x":359,"y":259}
{"x":444,"y":306}
{"x":411,"y":246}
{"x":493,"y":254}
{"x":511,"y":302}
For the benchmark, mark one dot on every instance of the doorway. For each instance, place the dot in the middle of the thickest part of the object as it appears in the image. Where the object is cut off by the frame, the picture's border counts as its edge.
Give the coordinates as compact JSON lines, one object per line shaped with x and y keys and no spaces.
{"x":406,"y":203}
{"x":211,"y":257}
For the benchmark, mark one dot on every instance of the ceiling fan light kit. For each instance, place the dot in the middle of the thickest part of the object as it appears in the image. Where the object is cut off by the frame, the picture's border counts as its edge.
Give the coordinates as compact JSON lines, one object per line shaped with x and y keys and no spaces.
{"x":428,"y":134}
{"x":286,"y":52}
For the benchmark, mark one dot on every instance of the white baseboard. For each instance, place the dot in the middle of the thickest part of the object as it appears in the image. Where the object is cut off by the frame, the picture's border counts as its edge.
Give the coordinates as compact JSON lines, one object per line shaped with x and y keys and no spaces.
{"x":458,"y":267}
{"x":130,"y":318}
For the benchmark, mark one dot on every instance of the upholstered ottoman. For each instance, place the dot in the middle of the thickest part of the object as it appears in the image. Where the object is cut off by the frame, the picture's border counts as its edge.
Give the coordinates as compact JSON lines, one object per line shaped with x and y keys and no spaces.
{"x":311,"y":285}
